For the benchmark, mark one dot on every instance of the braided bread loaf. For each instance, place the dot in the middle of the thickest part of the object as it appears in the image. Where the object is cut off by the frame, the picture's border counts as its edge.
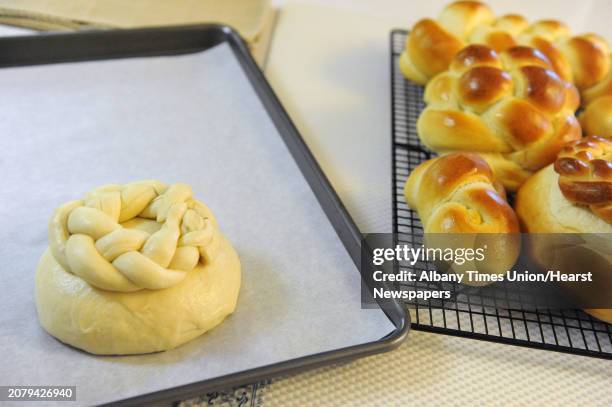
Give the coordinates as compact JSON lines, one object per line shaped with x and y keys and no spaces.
{"x":573,"y":195}
{"x":463,"y":207}
{"x":510,"y":107}
{"x":585,"y":174}
{"x":583,"y":59}
{"x":135,"y":268}
{"x":457,"y":194}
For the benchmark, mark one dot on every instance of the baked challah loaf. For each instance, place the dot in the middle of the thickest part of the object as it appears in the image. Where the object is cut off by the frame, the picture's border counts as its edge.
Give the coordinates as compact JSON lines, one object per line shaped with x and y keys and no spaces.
{"x":510,"y":107}
{"x":457,"y":194}
{"x":596,"y":118}
{"x":135,"y":268}
{"x":585,"y":174}
{"x":573,"y":195}
{"x":601,"y":88}
{"x":431,"y":45}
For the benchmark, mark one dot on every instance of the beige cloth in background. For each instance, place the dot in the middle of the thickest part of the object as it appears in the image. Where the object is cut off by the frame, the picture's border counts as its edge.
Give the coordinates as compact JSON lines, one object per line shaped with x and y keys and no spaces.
{"x":253,"y":19}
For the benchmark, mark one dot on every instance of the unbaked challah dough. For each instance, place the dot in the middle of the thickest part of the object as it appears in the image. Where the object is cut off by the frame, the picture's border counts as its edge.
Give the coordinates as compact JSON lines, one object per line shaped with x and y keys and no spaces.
{"x":135,"y":268}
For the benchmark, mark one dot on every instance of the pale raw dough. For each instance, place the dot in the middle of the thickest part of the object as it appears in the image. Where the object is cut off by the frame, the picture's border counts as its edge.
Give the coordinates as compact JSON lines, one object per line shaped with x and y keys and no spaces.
{"x":135,"y":269}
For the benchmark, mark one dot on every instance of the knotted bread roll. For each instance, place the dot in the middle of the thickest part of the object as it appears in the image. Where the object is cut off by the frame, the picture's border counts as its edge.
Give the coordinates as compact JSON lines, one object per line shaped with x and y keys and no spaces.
{"x":510,"y":107}
{"x":135,"y":268}
{"x":460,"y":203}
{"x":432,"y":44}
{"x":585,"y":174}
{"x":573,"y":196}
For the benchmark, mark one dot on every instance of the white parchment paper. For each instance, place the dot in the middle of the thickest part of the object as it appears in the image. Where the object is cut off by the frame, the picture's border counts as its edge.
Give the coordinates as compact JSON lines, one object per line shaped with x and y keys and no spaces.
{"x":69,"y":127}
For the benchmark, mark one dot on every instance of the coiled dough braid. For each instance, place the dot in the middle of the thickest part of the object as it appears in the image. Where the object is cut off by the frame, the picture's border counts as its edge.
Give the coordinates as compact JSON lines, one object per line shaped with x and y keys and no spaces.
{"x":511,"y":108}
{"x":142,"y":235}
{"x":585,"y":174}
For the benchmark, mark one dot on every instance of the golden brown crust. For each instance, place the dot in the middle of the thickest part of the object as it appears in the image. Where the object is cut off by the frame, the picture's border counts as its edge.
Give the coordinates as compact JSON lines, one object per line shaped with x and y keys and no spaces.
{"x":483,"y":85}
{"x":557,"y":60}
{"x":602,"y":89}
{"x":475,"y":55}
{"x":583,"y":60}
{"x":597,"y":117}
{"x":431,"y":48}
{"x":523,"y":122}
{"x":499,"y":40}
{"x":458,"y":193}
{"x":500,"y":35}
{"x":461,"y":17}
{"x":452,"y":130}
{"x":543,"y":88}
{"x":512,"y":104}
{"x":521,"y":55}
{"x":544,"y":151}
{"x":585,"y":174}
{"x":542,"y":208}
{"x":588,"y":58}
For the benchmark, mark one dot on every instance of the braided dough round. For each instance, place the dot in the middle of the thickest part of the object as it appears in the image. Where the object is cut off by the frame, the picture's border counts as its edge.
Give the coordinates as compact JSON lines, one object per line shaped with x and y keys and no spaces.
{"x":510,"y":107}
{"x":432,"y":44}
{"x":135,"y":268}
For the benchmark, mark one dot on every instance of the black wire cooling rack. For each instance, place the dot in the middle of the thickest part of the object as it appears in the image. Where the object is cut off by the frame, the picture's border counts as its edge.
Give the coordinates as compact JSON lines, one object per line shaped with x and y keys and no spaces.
{"x":489,"y":313}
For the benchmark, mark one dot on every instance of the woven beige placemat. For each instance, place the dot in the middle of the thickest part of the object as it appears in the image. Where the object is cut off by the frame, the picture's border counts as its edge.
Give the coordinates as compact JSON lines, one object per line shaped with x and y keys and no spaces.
{"x":438,"y":370}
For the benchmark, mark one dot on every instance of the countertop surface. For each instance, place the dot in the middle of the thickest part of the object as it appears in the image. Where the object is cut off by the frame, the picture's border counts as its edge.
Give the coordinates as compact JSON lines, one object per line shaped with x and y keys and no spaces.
{"x":329,"y":64}
{"x":330,"y":68}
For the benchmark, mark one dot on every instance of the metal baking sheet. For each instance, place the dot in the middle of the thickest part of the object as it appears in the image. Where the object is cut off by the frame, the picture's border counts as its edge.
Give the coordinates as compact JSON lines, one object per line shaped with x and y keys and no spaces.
{"x":181,"y":104}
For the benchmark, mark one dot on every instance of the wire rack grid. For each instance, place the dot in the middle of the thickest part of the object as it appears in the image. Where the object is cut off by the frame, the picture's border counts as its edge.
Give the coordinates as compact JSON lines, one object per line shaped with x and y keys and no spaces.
{"x":490,"y":313}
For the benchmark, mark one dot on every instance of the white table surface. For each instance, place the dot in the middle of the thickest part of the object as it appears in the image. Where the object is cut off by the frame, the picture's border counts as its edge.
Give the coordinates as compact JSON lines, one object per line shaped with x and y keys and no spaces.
{"x":330,"y":68}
